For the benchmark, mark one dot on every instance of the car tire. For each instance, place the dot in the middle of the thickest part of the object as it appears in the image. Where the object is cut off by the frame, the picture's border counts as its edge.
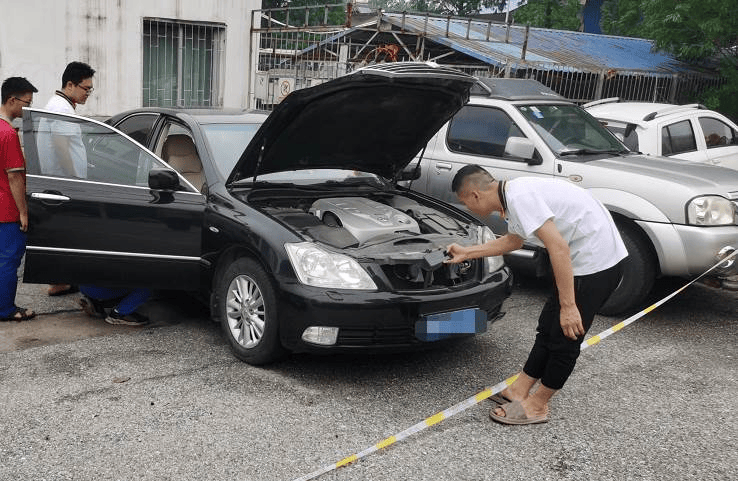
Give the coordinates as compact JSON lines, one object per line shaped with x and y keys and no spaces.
{"x":639,"y":274}
{"x":247,"y":310}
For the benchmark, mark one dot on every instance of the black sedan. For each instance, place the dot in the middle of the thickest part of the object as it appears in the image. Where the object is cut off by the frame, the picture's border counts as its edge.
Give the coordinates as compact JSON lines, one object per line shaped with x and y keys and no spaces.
{"x":292,"y":226}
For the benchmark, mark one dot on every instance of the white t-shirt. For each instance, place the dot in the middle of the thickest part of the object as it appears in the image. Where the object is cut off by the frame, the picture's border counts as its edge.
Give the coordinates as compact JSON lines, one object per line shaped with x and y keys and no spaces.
{"x":584,"y":223}
{"x":48,"y":128}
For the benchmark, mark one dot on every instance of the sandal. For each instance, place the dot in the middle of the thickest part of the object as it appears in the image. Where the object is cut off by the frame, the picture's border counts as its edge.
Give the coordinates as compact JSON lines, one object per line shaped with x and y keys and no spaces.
{"x":515,"y":414}
{"x":20,"y":314}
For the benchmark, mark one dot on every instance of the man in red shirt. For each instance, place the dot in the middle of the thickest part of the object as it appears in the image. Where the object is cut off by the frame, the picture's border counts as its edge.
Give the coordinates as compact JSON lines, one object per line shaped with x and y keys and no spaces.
{"x":17,"y":92}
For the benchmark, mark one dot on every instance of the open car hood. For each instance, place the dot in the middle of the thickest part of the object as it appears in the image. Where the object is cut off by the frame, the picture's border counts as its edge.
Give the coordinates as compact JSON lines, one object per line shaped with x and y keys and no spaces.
{"x":373,"y":120}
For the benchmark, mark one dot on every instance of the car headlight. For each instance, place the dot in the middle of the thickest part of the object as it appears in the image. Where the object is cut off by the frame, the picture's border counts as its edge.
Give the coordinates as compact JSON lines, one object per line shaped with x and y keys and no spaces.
{"x":710,"y":210}
{"x":494,"y":263}
{"x":320,"y":268}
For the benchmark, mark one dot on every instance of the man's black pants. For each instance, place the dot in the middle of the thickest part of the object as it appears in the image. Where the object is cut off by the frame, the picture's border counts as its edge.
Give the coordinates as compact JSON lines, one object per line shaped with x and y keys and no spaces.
{"x":553,"y":355}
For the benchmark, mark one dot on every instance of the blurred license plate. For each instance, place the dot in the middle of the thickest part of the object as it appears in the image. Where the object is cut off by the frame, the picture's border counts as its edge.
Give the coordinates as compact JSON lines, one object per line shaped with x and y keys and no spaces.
{"x":434,"y":327}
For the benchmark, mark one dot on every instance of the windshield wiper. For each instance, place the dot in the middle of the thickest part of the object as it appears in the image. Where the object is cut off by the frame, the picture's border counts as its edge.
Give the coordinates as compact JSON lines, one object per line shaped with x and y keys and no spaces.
{"x":590,"y":152}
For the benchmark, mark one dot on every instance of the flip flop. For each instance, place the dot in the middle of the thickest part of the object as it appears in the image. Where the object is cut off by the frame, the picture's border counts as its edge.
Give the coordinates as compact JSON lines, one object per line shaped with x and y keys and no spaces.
{"x":515,"y":414}
{"x":499,"y":398}
{"x":20,"y":314}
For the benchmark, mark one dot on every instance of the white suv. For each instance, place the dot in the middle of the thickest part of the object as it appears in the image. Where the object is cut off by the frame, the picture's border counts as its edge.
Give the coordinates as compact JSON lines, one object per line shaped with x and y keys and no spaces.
{"x":689,"y":132}
{"x":677,"y":218}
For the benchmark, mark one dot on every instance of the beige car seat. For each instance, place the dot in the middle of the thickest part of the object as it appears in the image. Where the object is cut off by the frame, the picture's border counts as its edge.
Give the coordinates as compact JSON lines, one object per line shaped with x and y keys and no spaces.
{"x":180,"y":153}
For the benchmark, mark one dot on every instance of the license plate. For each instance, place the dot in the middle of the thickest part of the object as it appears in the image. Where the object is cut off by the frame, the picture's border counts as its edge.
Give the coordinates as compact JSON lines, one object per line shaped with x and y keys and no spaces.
{"x":434,"y":327}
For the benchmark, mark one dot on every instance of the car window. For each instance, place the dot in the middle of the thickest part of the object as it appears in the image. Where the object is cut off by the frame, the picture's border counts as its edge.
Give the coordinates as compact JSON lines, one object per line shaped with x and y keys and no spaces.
{"x":481,"y":130}
{"x":227,"y":142}
{"x":716,"y":132}
{"x":138,"y":126}
{"x":84,"y":149}
{"x":677,"y":138}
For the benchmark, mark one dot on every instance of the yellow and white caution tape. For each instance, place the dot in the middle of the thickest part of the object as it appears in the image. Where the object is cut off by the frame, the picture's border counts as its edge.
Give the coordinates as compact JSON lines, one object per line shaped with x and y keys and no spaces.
{"x":481,"y":396}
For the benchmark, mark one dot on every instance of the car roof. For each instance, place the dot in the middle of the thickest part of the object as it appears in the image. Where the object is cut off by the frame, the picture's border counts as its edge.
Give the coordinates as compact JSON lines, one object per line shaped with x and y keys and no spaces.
{"x":202,"y":116}
{"x":636,"y":112}
{"x":514,"y":89}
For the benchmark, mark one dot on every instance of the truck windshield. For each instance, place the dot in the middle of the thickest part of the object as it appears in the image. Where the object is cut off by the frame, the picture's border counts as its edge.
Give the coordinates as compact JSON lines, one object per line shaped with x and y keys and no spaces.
{"x":569,"y":130}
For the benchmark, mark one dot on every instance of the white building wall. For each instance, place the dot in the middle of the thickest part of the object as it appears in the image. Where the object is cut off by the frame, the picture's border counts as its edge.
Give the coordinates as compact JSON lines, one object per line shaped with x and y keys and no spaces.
{"x":39,"y":37}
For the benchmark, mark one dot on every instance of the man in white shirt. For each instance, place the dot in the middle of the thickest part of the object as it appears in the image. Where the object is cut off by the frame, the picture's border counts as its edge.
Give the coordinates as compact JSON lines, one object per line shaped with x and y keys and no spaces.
{"x":585,"y":250}
{"x":60,"y":144}
{"x":61,"y":150}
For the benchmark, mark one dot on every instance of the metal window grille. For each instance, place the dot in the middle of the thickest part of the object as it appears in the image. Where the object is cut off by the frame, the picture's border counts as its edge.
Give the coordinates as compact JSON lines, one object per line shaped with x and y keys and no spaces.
{"x":183,"y":64}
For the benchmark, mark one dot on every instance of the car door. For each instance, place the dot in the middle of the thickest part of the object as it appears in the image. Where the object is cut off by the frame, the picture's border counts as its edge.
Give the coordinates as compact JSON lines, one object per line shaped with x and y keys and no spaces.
{"x":105,"y":226}
{"x":678,"y":140}
{"x":721,"y":140}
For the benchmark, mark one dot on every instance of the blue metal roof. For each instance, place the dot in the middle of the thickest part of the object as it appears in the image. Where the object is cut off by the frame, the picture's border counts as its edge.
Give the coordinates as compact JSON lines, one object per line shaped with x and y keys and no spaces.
{"x":566,"y":49}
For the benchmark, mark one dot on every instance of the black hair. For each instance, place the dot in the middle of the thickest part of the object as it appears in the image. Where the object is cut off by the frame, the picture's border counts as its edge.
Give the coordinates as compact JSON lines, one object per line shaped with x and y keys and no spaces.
{"x":14,"y":86}
{"x":76,"y":72}
{"x":468,"y":171}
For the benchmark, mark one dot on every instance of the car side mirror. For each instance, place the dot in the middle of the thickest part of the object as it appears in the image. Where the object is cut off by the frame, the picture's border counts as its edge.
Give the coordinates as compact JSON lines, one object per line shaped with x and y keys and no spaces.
{"x":163,"y":179}
{"x":411,"y":172}
{"x":522,"y":148}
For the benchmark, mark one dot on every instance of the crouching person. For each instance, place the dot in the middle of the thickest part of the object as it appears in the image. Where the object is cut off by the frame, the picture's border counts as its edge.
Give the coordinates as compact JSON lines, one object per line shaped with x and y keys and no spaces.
{"x":122,"y":304}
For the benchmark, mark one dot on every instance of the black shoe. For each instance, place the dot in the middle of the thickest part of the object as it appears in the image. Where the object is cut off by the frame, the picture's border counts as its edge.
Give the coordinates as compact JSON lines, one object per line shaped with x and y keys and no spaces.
{"x":132,"y":319}
{"x":92,"y":307}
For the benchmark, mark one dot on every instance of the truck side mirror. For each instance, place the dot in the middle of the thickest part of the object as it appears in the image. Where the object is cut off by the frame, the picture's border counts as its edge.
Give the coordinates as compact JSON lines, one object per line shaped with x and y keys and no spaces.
{"x":522,"y":148}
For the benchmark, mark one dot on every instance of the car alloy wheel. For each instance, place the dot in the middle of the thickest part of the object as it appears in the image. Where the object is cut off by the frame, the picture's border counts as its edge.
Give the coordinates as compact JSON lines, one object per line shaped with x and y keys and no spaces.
{"x":245,"y":311}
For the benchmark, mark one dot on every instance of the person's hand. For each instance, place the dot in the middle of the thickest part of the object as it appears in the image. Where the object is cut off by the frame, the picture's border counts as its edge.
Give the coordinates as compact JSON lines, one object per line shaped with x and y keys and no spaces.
{"x":571,"y":322}
{"x":455,"y":254}
{"x":24,"y":222}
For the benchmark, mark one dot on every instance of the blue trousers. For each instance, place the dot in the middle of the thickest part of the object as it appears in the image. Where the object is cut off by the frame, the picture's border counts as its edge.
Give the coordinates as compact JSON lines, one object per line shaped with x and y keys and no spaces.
{"x":12,"y":247}
{"x":130,"y":299}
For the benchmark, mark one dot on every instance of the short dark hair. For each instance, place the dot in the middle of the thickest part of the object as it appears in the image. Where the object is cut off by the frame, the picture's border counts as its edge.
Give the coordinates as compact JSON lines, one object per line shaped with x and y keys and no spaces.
{"x":468,"y":171}
{"x":14,"y":86}
{"x":76,"y":72}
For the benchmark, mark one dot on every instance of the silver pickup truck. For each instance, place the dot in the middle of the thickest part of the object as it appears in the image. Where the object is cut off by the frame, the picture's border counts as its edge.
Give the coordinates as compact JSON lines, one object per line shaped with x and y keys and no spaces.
{"x":677,"y":218}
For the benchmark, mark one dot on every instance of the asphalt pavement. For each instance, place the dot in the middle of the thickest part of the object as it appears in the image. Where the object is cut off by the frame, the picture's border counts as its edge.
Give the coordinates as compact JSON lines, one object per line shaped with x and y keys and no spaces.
{"x":83,"y":400}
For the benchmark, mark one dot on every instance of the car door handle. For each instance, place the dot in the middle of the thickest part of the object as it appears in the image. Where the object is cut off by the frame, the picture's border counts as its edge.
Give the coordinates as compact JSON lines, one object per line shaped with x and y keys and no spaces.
{"x":52,"y":197}
{"x":442,"y":166}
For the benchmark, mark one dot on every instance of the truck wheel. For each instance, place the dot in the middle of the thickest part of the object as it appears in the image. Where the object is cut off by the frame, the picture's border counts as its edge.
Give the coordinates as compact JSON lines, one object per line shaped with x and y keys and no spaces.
{"x":639,"y":274}
{"x":247,"y":310}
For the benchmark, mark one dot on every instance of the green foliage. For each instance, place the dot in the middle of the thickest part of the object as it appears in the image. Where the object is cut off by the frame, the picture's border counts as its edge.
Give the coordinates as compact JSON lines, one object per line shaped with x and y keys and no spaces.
{"x":693,"y":30}
{"x":561,"y":15}
{"x":315,"y":13}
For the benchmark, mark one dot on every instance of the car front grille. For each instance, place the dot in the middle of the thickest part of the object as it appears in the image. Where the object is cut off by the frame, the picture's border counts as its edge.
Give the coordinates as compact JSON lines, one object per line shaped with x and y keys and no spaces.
{"x":411,"y":278}
{"x":376,"y":336}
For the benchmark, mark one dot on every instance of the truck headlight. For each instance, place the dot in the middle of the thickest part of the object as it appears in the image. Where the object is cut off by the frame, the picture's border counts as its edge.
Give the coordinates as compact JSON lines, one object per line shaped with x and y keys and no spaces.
{"x":320,"y":268}
{"x":710,"y":210}
{"x":494,"y":263}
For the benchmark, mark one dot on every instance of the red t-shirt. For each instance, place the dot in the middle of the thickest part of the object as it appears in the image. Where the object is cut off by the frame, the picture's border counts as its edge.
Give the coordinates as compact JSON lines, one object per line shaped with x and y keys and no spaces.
{"x":11,"y":157}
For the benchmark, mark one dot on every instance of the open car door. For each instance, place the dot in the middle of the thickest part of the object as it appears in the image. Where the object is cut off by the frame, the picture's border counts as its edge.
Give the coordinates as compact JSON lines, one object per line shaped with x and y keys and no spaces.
{"x":94,"y":219}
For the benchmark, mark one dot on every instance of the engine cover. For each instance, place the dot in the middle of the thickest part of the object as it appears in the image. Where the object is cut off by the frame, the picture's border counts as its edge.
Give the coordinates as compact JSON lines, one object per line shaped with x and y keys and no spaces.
{"x":364,"y":218}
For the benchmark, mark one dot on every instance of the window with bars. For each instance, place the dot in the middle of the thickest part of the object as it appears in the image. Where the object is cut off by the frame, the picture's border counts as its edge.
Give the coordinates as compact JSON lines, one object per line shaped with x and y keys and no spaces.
{"x":182,"y":64}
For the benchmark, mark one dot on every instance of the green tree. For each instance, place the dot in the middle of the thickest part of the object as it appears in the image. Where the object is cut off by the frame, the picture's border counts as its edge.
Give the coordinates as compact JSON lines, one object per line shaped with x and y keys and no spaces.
{"x":695,"y":31}
{"x":561,"y":15}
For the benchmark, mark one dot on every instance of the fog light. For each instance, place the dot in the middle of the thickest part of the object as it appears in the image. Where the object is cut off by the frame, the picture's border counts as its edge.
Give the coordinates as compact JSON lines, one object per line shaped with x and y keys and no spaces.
{"x":325,"y":336}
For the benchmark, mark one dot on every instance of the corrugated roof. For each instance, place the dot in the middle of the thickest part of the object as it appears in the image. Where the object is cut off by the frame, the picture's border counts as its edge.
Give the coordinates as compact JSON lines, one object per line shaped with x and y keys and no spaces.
{"x":575,"y":50}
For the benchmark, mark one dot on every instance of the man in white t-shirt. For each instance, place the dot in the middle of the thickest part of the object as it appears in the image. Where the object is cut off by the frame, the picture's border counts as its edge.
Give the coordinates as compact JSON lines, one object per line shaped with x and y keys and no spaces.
{"x":61,"y":150}
{"x":585,"y":250}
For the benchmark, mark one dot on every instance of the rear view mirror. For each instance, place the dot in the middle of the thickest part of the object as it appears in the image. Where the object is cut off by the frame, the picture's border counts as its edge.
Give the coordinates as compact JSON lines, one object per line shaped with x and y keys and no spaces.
{"x":411,"y":172}
{"x":522,"y":148}
{"x":163,"y":179}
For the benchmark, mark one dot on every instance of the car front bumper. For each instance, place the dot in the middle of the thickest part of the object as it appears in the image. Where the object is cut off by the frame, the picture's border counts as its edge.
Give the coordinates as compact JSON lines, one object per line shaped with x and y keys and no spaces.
{"x":379,"y":320}
{"x":688,"y":251}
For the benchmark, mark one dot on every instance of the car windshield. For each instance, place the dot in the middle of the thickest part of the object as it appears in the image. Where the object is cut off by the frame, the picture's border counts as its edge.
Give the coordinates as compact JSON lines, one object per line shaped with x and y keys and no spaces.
{"x":227,"y":142}
{"x":569,"y":130}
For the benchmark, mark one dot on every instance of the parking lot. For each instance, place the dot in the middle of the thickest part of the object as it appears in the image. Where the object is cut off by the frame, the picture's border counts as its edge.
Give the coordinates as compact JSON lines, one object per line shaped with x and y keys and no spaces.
{"x":84,"y":400}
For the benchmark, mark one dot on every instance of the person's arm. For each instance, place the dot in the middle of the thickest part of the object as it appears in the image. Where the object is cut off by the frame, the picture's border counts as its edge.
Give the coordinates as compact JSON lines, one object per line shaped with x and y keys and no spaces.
{"x":495,"y":247}
{"x":558,"y":252}
{"x":63,"y":149}
{"x":18,"y":189}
